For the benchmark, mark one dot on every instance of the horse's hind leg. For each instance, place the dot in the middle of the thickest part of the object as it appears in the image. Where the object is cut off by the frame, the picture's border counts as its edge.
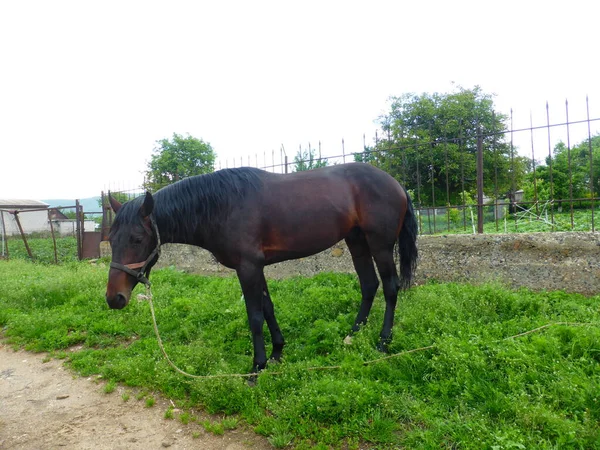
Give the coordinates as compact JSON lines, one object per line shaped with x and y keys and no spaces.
{"x":269,"y":313}
{"x":384,"y":258}
{"x":363,"y":264}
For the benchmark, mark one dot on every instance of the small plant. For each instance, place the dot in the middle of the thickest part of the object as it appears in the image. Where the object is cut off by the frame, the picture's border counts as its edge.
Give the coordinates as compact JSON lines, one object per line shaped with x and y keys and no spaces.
{"x":140,"y":395}
{"x":150,"y":401}
{"x":216,"y":428}
{"x":281,"y":439}
{"x":230,"y":423}
{"x":125,"y":396}
{"x":110,"y":387}
{"x":185,"y":418}
{"x":169,"y":414}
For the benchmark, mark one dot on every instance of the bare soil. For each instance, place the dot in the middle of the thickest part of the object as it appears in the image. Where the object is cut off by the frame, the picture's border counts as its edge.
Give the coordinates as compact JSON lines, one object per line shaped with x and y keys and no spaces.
{"x":45,"y":406}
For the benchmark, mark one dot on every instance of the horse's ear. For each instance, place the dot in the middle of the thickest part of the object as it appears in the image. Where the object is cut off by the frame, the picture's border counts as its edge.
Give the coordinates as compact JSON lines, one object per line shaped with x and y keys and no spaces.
{"x":148,"y":205}
{"x":114,"y":203}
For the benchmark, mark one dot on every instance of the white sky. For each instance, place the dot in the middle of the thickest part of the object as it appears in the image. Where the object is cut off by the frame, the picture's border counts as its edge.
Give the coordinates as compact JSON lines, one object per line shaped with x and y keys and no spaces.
{"x":86,"y":88}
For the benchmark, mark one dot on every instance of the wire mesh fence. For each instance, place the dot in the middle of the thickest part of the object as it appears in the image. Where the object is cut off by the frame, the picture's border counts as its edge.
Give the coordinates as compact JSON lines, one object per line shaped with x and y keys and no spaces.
{"x":540,"y":176}
{"x":47,"y":234}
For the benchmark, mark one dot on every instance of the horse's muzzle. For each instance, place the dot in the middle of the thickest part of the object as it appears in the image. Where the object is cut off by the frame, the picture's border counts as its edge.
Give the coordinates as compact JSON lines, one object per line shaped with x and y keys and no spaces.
{"x":118,"y":301}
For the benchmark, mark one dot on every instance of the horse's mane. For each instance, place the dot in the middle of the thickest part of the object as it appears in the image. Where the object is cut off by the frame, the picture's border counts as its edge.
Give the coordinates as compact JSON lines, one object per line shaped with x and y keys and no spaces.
{"x":201,"y":201}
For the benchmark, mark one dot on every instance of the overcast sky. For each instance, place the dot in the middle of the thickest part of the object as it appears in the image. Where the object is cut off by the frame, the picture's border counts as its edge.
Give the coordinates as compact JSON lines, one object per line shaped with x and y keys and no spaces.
{"x":87,"y":88}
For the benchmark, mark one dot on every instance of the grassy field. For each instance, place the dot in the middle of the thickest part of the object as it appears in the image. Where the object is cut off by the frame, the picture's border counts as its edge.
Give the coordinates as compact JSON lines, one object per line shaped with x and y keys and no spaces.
{"x":522,"y":222}
{"x":42,"y":248}
{"x":473,"y":389}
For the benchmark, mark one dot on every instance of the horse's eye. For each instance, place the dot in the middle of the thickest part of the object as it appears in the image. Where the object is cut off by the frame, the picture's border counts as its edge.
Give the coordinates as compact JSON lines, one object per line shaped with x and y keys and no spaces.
{"x":135,"y":240}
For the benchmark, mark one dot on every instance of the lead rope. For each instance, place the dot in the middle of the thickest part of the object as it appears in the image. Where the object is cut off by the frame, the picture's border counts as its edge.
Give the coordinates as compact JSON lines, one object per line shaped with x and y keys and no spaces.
{"x":148,"y":296}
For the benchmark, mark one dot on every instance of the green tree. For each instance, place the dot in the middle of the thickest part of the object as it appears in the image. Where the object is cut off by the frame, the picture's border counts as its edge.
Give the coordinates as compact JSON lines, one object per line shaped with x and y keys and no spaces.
{"x":570,"y":171}
{"x":178,"y":158}
{"x":121,"y":197}
{"x":306,"y":160}
{"x":429,"y":143}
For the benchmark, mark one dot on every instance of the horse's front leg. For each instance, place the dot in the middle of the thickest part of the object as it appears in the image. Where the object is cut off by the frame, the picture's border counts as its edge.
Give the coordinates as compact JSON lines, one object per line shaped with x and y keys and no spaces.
{"x":251,"y":281}
{"x":269,"y":313}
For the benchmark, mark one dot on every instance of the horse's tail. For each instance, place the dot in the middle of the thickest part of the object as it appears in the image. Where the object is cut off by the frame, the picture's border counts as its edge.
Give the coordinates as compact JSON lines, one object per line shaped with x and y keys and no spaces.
{"x":407,"y":245}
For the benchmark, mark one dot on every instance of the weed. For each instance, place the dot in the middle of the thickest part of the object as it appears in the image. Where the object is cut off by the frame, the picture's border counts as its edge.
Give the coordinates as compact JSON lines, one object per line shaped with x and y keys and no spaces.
{"x":185,"y":418}
{"x":150,"y":401}
{"x":230,"y":423}
{"x":216,"y":428}
{"x":110,"y":387}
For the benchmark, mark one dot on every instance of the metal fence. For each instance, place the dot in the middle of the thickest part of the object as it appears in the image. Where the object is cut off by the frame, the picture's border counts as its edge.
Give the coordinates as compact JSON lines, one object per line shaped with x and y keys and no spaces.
{"x":28,"y":232}
{"x":567,"y":200}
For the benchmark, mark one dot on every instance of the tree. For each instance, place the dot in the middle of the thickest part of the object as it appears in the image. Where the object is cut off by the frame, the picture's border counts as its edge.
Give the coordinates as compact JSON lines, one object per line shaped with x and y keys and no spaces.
{"x":121,"y":197}
{"x":178,"y":158}
{"x":430,"y":144}
{"x":305,"y":160}
{"x":570,"y":171}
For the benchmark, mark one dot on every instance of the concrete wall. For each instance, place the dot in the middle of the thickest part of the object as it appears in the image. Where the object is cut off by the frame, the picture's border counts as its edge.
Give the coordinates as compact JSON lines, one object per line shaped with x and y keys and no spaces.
{"x":540,"y":261}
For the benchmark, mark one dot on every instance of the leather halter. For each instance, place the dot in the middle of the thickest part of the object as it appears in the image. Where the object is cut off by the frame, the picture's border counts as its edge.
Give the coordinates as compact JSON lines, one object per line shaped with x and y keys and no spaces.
{"x":142,"y":274}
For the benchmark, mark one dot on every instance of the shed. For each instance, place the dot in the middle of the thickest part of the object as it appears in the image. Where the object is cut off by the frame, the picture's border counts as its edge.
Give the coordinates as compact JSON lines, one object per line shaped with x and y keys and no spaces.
{"x":33,"y":215}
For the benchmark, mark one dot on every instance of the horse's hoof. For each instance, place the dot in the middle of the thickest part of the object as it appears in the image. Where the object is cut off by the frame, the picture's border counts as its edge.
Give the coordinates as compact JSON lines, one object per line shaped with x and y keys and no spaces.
{"x":252,"y":381}
{"x":348,"y":340}
{"x":383,"y":347}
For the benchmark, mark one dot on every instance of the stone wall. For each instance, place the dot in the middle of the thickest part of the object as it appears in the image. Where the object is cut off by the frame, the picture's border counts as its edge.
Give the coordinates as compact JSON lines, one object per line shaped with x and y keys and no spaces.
{"x":540,"y":261}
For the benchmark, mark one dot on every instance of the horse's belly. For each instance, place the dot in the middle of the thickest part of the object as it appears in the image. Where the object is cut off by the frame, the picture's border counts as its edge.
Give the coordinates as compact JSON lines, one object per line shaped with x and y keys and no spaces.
{"x":302,"y":240}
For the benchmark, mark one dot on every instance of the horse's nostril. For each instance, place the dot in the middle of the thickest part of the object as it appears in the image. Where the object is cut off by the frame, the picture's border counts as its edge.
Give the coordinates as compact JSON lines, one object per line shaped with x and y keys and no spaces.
{"x":119,"y":301}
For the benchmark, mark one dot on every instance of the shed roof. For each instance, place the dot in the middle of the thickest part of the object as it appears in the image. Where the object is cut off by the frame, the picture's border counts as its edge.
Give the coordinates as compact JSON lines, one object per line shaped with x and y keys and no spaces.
{"x":19,"y":203}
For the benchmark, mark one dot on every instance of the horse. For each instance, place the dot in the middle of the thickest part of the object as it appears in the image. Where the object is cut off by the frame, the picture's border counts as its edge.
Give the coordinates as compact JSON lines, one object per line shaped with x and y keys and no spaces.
{"x":249,"y":218}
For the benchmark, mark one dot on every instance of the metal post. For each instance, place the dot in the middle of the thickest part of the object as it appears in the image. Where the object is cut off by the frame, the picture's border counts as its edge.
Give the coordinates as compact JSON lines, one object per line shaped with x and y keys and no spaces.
{"x":569,"y":165}
{"x":479,"y":183}
{"x":513,"y":183}
{"x":16,"y":213}
{"x":53,"y":236}
{"x":78,"y":231}
{"x":587,"y":104}
{"x":431,"y":172}
{"x":4,"y":236}
{"x":550,"y":167}
{"x":535,"y":192}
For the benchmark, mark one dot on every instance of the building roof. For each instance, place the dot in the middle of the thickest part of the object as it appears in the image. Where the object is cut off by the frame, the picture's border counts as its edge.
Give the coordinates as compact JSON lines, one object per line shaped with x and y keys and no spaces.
{"x":19,"y":203}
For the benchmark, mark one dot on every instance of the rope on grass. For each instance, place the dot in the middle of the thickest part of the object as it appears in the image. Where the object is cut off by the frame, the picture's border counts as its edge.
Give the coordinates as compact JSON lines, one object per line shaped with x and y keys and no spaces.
{"x":148,"y":297}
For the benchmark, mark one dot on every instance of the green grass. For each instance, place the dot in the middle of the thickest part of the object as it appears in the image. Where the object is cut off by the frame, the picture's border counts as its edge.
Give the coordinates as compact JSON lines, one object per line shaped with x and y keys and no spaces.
{"x":473,"y":389}
{"x":523,"y":222}
{"x":42,"y":248}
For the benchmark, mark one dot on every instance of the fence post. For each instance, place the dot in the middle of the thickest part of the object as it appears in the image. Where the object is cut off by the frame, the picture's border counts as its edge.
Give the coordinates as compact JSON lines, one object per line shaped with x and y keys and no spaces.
{"x":16,"y":213}
{"x":78,"y":230}
{"x":479,"y":182}
{"x":4,"y":236}
{"x":53,"y":236}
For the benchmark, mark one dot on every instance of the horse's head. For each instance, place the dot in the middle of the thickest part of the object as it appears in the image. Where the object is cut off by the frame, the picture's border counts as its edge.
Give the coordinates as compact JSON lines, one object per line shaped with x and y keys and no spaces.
{"x":135,"y":244}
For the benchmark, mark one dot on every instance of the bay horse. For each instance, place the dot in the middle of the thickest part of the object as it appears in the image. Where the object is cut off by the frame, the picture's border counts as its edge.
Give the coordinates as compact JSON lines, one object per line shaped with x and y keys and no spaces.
{"x":249,"y":218}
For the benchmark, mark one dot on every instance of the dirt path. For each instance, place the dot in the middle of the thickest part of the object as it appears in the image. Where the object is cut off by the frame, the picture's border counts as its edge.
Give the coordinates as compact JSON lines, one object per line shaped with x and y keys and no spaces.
{"x":44,"y":406}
